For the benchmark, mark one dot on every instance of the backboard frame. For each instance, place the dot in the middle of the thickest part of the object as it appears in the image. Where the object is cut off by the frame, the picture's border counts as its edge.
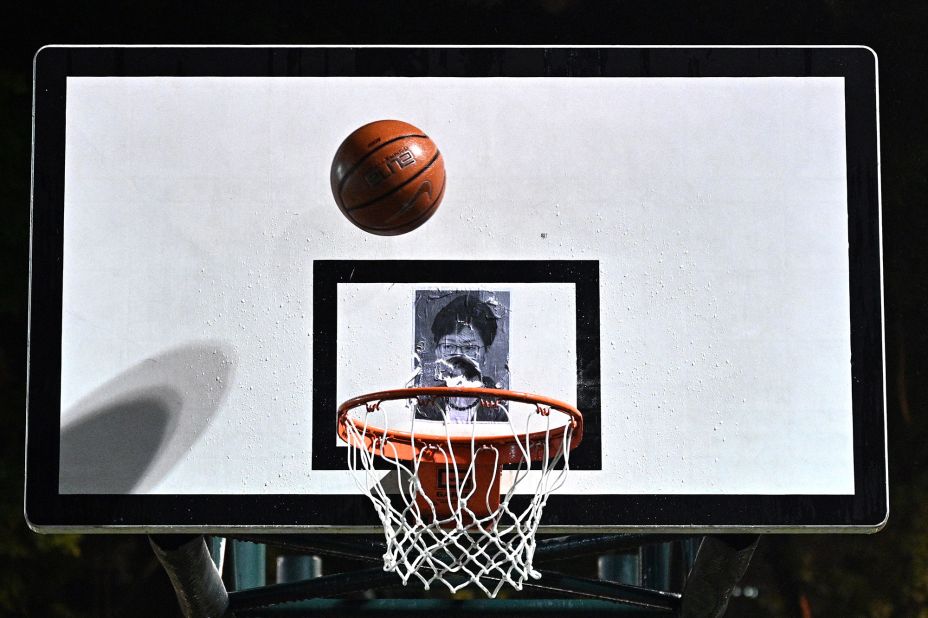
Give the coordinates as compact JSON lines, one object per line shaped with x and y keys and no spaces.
{"x":49,"y":511}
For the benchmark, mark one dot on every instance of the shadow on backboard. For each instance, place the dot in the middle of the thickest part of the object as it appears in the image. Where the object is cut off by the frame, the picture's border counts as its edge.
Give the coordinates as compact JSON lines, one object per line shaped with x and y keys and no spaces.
{"x":128,"y":434}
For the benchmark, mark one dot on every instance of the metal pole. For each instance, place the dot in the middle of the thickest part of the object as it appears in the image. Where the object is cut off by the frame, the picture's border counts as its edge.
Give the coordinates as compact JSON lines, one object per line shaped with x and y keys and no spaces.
{"x":193,"y":575}
{"x":327,"y":585}
{"x":623,"y":568}
{"x":655,"y":566}
{"x":354,"y":547}
{"x":557,"y":548}
{"x":298,"y":568}
{"x":595,"y":589}
{"x":720,"y":565}
{"x":250,"y":569}
{"x":368,"y":548}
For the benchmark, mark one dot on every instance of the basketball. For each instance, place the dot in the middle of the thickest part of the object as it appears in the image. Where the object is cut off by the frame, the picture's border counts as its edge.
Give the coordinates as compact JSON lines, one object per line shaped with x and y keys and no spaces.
{"x":388,"y":177}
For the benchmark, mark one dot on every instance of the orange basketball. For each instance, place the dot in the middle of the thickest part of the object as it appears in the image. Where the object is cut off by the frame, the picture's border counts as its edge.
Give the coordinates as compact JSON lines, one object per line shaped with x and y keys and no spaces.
{"x":388,"y":177}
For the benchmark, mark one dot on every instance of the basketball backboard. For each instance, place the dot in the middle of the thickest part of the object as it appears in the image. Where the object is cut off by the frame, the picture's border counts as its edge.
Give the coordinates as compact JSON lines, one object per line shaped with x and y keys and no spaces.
{"x":682,"y":242}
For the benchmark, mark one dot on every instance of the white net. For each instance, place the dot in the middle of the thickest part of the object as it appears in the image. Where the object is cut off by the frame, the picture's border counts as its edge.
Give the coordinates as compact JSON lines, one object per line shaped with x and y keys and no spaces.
{"x":460,"y":500}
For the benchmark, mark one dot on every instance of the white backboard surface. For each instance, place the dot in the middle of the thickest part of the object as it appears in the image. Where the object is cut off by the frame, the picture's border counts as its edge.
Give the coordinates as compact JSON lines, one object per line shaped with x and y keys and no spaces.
{"x":716,"y":209}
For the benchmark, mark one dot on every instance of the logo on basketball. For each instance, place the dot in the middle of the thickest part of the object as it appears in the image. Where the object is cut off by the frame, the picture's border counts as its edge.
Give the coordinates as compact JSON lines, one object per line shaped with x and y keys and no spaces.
{"x":424,"y":189}
{"x":392,"y":164}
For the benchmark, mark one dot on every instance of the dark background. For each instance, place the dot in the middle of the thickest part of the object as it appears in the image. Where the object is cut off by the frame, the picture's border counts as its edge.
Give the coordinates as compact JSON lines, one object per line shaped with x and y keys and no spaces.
{"x":795,"y":575}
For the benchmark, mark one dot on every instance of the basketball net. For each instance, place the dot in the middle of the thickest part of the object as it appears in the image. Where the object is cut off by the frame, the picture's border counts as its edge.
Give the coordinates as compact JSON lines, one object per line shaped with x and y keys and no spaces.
{"x":451,"y":516}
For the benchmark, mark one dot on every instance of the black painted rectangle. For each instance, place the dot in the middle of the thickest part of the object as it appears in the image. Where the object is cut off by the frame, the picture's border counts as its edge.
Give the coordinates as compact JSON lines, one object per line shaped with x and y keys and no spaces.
{"x":328,"y":274}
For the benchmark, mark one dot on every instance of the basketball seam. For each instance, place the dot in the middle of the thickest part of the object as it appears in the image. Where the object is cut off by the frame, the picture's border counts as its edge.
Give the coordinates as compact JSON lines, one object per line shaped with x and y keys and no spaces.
{"x":396,"y":188}
{"x":425,"y":214}
{"x":353,"y":168}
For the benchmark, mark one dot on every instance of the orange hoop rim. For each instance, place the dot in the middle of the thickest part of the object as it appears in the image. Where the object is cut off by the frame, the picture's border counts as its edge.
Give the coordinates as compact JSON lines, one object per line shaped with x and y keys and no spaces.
{"x":422,"y":440}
